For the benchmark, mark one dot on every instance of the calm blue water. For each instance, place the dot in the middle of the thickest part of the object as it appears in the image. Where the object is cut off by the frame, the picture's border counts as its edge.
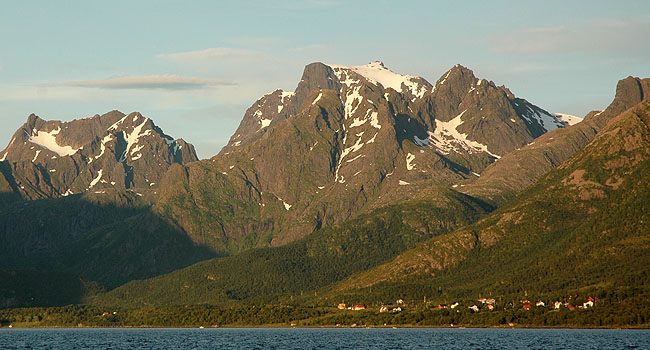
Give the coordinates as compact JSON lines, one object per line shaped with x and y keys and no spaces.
{"x":287,"y":338}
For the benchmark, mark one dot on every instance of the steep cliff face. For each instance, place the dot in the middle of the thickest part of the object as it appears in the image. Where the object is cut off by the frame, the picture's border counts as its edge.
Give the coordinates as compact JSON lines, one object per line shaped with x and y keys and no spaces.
{"x":349,"y":139}
{"x":49,"y":159}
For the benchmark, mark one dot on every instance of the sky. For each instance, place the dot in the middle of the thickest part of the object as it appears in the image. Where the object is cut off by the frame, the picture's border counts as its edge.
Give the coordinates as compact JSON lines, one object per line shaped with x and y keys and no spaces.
{"x":194,"y":67}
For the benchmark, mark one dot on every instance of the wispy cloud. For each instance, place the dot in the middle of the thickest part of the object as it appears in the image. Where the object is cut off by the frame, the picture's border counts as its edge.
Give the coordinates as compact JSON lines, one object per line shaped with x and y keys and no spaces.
{"x":553,"y":29}
{"x":145,"y":82}
{"x":588,"y":37}
{"x":535,"y":40}
{"x":307,"y":48}
{"x":307,"y":4}
{"x":215,"y":54}
{"x":535,"y":67}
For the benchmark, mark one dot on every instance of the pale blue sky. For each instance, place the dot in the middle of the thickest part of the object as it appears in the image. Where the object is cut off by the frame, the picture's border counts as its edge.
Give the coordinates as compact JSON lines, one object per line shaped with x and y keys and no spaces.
{"x":195,"y":66}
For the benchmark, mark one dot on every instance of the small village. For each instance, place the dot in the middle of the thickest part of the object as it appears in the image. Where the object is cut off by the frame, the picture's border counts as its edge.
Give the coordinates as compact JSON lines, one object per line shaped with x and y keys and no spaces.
{"x":486,"y":304}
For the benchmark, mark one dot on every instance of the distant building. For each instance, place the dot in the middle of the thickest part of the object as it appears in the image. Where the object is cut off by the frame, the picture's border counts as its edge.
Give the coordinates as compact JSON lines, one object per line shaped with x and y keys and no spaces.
{"x":473,"y":308}
{"x":341,"y":306}
{"x":540,"y":303}
{"x":383,"y":308}
{"x":358,"y":307}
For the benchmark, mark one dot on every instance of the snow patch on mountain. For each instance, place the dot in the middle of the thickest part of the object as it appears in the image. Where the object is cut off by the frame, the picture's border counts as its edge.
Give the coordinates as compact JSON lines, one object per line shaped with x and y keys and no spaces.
{"x":568,"y":119}
{"x":369,"y":116}
{"x":376,"y":72}
{"x":116,"y":124}
{"x":358,"y":122}
{"x":172,"y":143}
{"x":133,"y":137}
{"x":374,"y":120}
{"x":547,"y":121}
{"x":355,"y":158}
{"x":102,"y":147}
{"x":420,"y":142}
{"x":409,"y":159}
{"x":354,"y":148}
{"x":320,"y":94}
{"x":287,"y":206}
{"x":265,"y":123}
{"x":446,"y":138}
{"x":353,"y":100}
{"x":96,"y":179}
{"x":48,"y":140}
{"x":283,"y":95}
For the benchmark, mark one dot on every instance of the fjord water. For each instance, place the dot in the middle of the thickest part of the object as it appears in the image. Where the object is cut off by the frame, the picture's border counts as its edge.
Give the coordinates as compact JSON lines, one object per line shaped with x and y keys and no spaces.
{"x":328,"y":338}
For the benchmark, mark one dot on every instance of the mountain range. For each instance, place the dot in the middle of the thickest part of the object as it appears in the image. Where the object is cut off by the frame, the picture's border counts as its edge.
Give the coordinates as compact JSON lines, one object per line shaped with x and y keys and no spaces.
{"x":361,"y":184}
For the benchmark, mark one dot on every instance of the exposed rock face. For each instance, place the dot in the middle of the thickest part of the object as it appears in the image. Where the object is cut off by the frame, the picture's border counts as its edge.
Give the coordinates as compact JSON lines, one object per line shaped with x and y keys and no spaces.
{"x":347,"y":140}
{"x":460,"y":114}
{"x":113,"y":151}
{"x":520,"y":168}
{"x":595,"y":200}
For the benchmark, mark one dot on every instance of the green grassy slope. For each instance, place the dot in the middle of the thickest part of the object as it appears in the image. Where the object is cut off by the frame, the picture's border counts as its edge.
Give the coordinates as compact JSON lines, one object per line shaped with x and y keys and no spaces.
{"x":323,"y":257}
{"x":110,"y":238}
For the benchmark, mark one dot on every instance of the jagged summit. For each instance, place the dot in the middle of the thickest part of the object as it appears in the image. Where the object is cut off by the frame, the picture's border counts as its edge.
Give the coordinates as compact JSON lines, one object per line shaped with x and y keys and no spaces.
{"x":376,"y":72}
{"x":457,"y":92}
{"x":111,"y":151}
{"x":348,"y":138}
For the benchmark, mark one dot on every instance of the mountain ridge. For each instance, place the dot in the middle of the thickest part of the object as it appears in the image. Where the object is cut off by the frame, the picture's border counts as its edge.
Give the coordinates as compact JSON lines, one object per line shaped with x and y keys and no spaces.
{"x":110,"y":151}
{"x":499,"y":182}
{"x":361,"y":145}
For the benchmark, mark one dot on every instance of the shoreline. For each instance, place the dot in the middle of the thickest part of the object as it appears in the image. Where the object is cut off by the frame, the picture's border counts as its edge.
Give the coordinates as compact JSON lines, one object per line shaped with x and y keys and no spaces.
{"x":335,"y":327}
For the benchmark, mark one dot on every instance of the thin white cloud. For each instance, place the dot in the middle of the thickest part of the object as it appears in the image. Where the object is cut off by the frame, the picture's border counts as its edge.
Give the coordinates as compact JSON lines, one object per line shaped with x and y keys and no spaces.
{"x":307,"y":4}
{"x":145,"y":82}
{"x":307,"y":48}
{"x":554,"y":29}
{"x":215,"y":55}
{"x":588,"y":37}
{"x":535,"y":67}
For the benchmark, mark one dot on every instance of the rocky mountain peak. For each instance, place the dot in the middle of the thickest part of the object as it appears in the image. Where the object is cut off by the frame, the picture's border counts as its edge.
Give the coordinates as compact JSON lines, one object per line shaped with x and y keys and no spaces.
{"x":349,"y":137}
{"x":376,"y":64}
{"x":458,"y":76}
{"x":376,"y":73}
{"x":632,"y":90}
{"x":111,"y":151}
{"x":629,"y":92}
